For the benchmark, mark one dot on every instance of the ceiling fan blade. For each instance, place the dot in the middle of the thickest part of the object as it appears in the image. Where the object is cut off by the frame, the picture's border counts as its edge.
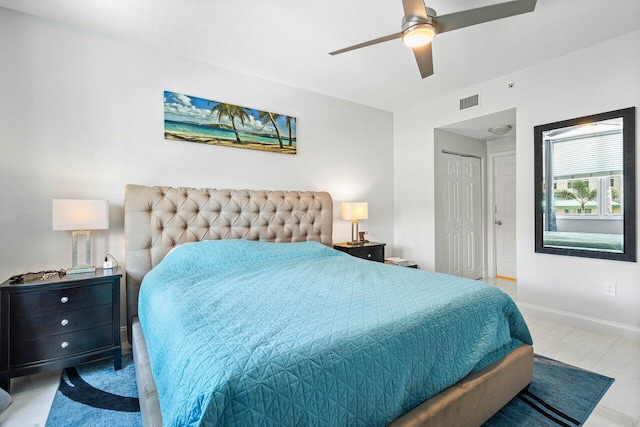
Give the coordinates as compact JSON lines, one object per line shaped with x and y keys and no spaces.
{"x":470,"y":17}
{"x":414,"y":8}
{"x":424,"y":58}
{"x":369,"y":43}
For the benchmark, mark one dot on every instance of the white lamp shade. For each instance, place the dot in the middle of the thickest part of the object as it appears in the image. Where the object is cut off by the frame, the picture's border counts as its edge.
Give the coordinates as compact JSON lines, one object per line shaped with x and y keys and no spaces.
{"x":354,"y":210}
{"x":73,"y":214}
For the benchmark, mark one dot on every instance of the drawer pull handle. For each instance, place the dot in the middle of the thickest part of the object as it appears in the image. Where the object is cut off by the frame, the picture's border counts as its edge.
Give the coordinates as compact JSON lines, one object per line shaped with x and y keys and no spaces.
{"x":368,"y":255}
{"x":64,"y":300}
{"x":64,"y":322}
{"x":64,"y":344}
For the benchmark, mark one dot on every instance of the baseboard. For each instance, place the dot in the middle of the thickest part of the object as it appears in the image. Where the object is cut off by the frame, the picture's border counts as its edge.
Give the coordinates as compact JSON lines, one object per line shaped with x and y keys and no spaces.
{"x":574,"y":320}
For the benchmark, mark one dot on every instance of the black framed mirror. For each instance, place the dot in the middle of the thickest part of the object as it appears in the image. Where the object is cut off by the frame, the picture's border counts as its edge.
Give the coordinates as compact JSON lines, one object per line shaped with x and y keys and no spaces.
{"x":585,"y":194}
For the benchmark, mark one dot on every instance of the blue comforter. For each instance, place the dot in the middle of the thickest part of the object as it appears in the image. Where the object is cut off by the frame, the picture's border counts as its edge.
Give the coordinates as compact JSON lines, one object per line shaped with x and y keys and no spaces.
{"x":253,"y":333}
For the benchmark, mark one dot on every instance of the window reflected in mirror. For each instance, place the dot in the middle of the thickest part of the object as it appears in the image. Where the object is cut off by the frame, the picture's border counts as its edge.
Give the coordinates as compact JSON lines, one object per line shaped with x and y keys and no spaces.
{"x":583,"y":169}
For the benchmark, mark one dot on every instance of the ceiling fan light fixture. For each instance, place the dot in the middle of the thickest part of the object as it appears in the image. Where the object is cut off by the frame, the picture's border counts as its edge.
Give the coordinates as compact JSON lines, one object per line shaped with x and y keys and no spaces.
{"x":500,"y":130}
{"x":418,"y":35}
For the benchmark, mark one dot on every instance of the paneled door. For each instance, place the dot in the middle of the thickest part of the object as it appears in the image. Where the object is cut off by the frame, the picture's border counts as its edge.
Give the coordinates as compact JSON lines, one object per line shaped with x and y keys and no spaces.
{"x":462,"y":219}
{"x":504,"y":218}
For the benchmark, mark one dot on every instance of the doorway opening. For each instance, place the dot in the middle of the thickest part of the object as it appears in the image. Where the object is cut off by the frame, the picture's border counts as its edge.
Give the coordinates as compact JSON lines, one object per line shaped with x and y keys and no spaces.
{"x":475,"y":198}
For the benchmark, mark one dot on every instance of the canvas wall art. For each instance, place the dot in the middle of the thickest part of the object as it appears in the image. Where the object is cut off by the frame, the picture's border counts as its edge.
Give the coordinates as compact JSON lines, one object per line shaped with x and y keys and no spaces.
{"x":188,"y":118}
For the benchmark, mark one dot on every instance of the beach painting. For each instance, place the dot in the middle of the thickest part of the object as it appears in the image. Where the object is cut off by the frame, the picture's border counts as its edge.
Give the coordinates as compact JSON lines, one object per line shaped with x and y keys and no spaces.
{"x":188,"y":118}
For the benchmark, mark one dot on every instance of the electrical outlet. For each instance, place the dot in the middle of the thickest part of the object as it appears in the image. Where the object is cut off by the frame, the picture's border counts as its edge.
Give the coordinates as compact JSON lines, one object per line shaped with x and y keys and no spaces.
{"x":107,"y":265}
{"x":609,"y":289}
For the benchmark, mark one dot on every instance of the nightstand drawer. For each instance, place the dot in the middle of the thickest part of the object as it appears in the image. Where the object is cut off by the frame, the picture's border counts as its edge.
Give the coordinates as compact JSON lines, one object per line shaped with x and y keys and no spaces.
{"x":371,"y":253}
{"x":60,"y":322}
{"x":63,"y":345}
{"x":25,"y":303}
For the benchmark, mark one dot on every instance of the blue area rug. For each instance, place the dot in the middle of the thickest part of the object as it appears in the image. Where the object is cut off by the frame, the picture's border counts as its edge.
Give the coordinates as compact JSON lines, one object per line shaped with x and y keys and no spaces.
{"x":559,"y":395}
{"x":95,"y":395}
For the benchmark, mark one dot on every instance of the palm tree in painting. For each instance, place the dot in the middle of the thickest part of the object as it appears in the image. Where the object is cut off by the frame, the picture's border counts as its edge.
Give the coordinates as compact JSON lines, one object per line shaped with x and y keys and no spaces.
{"x":266,"y":116}
{"x":233,"y":112}
{"x":288,"y":121}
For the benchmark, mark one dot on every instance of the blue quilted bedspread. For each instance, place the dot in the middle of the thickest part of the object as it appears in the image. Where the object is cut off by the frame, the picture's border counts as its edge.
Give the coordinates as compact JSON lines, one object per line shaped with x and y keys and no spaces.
{"x":254,"y":333}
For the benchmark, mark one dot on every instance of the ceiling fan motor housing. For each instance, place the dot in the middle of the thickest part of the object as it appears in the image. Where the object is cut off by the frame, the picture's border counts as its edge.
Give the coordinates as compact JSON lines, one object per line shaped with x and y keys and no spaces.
{"x":408,"y":22}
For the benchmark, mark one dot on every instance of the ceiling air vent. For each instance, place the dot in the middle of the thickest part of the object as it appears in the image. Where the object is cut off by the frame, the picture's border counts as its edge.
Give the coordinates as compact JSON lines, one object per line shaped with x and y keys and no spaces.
{"x":469,"y":102}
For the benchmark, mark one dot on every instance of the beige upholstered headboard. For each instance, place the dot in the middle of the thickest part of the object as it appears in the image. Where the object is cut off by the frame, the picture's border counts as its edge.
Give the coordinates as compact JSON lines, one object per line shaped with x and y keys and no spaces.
{"x":156,"y":219}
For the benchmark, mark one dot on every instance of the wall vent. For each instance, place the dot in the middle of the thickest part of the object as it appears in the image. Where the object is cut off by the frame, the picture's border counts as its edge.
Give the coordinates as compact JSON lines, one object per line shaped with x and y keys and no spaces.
{"x":469,"y":102}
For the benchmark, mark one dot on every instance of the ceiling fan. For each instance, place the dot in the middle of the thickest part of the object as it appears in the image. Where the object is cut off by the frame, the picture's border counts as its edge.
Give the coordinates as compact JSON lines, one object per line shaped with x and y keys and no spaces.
{"x":421,"y":24}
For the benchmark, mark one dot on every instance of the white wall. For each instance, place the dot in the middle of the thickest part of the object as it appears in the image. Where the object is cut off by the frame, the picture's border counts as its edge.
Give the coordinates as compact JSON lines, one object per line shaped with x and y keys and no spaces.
{"x":81,"y":115}
{"x":501,"y":145}
{"x":598,"y":79}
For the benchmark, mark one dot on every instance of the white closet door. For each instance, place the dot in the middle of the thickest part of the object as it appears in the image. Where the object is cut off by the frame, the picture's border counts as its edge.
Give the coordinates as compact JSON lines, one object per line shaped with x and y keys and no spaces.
{"x":452,"y":224}
{"x":462,"y":218}
{"x":471,"y":206}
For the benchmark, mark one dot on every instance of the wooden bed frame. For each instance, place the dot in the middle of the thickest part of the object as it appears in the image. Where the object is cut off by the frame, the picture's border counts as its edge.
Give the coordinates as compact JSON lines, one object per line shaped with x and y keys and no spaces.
{"x":159,"y":218}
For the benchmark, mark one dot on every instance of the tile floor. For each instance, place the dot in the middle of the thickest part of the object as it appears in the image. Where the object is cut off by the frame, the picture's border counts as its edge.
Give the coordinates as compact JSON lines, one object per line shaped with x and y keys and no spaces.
{"x":608,"y":355}
{"x":605,"y":354}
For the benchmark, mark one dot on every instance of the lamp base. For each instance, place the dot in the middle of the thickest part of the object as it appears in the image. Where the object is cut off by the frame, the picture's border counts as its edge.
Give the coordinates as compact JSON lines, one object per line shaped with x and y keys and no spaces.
{"x":82,"y":266}
{"x":78,"y":270}
{"x":356,"y":243}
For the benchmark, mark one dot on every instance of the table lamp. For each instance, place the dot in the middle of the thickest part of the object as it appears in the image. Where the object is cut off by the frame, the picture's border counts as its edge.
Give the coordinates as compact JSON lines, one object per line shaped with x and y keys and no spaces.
{"x":80,"y":217}
{"x":354,"y":211}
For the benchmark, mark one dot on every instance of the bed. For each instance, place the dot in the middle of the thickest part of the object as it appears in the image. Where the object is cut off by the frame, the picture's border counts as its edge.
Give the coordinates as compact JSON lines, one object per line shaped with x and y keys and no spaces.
{"x":326,"y":339}
{"x":585,"y":241}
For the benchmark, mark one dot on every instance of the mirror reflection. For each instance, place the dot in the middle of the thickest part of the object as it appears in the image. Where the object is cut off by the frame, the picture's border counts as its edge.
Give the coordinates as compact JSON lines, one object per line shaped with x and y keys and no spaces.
{"x":581,"y":172}
{"x":583,"y":186}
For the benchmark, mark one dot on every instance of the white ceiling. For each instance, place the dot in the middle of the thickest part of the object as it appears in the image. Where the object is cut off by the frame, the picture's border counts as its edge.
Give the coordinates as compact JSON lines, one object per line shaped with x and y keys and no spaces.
{"x":289,"y":41}
{"x":478,"y":127}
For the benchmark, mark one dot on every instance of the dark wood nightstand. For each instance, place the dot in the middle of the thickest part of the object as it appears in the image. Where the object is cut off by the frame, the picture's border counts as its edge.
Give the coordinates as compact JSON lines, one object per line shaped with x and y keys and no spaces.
{"x":59,"y":322}
{"x":372,"y":251}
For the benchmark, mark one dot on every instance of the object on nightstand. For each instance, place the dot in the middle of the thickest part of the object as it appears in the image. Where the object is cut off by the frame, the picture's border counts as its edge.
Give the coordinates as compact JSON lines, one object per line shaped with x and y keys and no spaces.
{"x":354,"y":211}
{"x":109,"y":265}
{"x":361,"y":235}
{"x":5,"y":400}
{"x":40,"y":275}
{"x":80,"y":216}
{"x":401,"y":262}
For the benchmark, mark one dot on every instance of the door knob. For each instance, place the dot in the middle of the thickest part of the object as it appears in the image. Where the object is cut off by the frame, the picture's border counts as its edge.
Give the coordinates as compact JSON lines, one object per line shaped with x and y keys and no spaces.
{"x":498,"y":222}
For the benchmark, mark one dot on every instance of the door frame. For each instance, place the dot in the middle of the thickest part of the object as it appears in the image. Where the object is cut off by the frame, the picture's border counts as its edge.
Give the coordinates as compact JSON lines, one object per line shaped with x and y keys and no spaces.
{"x":490,"y":213}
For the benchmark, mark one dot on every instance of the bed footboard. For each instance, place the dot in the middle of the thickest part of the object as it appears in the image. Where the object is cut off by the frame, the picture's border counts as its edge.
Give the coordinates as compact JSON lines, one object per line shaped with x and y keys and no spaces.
{"x":478,"y":396}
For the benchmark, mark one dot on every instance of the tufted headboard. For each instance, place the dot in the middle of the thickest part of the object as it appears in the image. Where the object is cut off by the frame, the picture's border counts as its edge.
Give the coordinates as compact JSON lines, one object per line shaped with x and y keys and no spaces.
{"x":156,"y":219}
